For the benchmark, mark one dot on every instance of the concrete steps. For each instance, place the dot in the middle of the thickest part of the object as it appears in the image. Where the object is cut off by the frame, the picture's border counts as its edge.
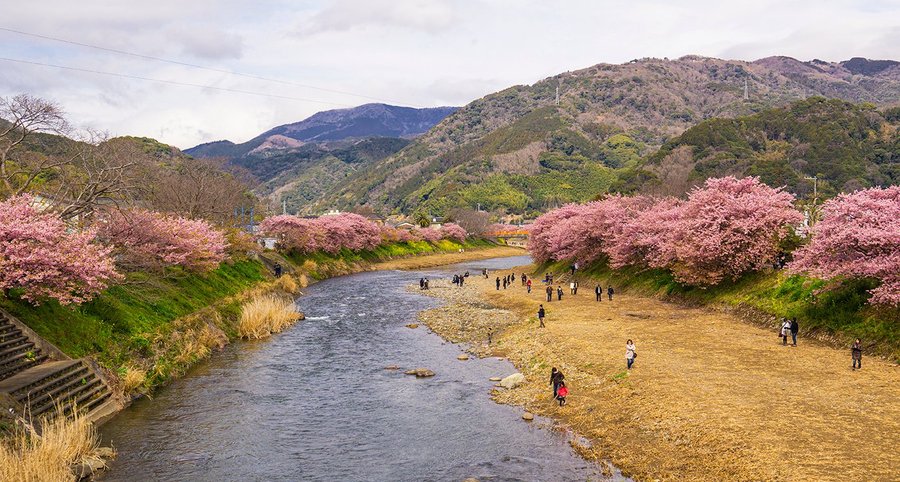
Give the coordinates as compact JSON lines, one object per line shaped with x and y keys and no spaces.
{"x":17,"y":351}
{"x":33,"y":383}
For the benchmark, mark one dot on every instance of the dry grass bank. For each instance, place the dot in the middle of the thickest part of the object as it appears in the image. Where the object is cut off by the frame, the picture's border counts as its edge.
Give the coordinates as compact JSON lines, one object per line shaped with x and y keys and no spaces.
{"x":710,"y":397}
{"x":442,"y":259}
{"x":49,"y":456}
{"x":266,"y":314}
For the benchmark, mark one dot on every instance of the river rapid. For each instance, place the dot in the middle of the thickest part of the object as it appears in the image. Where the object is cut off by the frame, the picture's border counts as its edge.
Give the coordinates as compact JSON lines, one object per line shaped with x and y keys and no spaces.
{"x":315,"y":403}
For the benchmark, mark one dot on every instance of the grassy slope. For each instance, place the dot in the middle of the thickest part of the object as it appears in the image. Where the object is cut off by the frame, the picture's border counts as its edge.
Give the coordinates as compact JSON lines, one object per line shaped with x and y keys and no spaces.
{"x":118,"y":320}
{"x":838,"y":315}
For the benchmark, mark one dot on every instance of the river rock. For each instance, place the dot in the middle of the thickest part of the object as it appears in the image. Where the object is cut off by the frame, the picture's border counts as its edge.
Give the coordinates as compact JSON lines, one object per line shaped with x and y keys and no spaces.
{"x":413,"y":325}
{"x":528,"y":416}
{"x":420,"y":372}
{"x":495,"y":379}
{"x":512,"y":381}
{"x":88,"y":467}
{"x":392,"y":367}
{"x":463,"y":357}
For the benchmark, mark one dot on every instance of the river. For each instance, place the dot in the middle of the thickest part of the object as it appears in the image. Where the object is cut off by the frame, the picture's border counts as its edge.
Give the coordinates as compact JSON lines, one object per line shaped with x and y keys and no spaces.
{"x":315,"y":403}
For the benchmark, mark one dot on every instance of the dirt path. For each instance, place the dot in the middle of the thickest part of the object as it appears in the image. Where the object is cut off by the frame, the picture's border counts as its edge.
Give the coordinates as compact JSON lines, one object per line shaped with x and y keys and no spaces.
{"x":709,"y":398}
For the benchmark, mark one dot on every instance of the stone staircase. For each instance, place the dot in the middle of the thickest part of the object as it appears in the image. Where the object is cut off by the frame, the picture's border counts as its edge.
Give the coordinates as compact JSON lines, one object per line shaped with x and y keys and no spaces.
{"x":36,"y":378}
{"x":17,"y":351}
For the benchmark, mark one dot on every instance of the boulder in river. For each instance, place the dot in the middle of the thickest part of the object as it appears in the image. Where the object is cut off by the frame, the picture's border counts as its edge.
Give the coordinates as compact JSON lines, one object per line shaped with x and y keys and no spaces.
{"x":512,"y":381}
{"x":528,"y":416}
{"x":463,"y":357}
{"x":412,"y":325}
{"x":420,"y":372}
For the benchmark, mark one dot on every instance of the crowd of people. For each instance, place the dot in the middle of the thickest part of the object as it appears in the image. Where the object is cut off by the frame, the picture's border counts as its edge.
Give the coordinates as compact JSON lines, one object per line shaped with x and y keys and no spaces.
{"x":789,"y":327}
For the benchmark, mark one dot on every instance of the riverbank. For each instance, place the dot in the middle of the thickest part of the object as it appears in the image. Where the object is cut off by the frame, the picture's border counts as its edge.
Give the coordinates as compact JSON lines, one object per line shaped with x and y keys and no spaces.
{"x":710,"y":396}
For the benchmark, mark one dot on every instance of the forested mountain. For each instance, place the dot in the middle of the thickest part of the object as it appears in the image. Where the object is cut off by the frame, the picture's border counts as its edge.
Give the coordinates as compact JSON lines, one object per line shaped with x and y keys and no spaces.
{"x":300,"y":162}
{"x":518,"y":150}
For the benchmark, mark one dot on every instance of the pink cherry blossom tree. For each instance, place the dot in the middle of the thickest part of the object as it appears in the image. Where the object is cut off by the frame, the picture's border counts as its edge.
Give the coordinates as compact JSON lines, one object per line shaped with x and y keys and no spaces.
{"x":546,"y":238}
{"x":145,"y":239}
{"x":294,"y":233}
{"x":644,"y":239}
{"x":453,"y":231}
{"x":727,"y":227}
{"x":858,"y":237}
{"x":42,"y":257}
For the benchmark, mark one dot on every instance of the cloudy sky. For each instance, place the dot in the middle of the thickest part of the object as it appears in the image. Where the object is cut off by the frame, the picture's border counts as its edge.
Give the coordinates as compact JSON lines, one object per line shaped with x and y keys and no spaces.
{"x":318,"y":55}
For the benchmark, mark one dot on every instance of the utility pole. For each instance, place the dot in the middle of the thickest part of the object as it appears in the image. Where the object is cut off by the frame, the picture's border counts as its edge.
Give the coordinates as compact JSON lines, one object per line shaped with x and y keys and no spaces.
{"x":283,"y":206}
{"x":813,"y":215}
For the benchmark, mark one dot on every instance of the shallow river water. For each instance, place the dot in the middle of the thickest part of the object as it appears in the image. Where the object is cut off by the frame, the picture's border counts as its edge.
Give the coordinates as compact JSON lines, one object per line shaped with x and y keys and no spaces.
{"x":315,"y":403}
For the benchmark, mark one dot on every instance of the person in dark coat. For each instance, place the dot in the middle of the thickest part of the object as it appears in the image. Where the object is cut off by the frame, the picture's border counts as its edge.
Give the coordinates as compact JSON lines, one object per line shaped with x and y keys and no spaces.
{"x":541,"y":314}
{"x":598,"y":293}
{"x":556,"y":378}
{"x":498,"y":283}
{"x":856,"y":354}
{"x":505,"y":282}
{"x":609,"y":292}
{"x":278,"y":270}
{"x":795,"y":328}
{"x":559,"y":293}
{"x":421,"y":283}
{"x":549,"y":293}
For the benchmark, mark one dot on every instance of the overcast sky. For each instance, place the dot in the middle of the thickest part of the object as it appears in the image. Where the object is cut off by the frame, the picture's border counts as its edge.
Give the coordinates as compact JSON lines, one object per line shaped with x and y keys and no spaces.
{"x":411,"y":52}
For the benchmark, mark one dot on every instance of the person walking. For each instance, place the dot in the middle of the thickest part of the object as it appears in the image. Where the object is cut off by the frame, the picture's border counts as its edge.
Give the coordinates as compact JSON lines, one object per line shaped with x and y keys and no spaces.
{"x":609,"y":292}
{"x":528,"y":285}
{"x":498,"y":283}
{"x":572,"y":287}
{"x":576,"y":288}
{"x":856,"y":354}
{"x":556,"y":379}
{"x":549,"y":293}
{"x":484,"y":272}
{"x":426,"y":283}
{"x":630,"y":353}
{"x":573,"y":268}
{"x":541,"y":314}
{"x":785,"y":330}
{"x":795,"y":328}
{"x":561,"y":393}
{"x":598,"y":293}
{"x":462,"y":281}
{"x":559,"y":293}
{"x":421,"y":283}
{"x":505,"y":282}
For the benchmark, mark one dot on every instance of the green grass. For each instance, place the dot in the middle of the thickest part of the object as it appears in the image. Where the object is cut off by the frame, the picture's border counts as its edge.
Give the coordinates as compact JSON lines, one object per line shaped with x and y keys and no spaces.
{"x":118,"y":320}
{"x":841,"y":312}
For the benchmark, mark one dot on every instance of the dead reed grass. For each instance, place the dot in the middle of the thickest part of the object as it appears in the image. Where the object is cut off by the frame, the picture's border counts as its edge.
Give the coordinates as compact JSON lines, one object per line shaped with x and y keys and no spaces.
{"x":48,"y":454}
{"x":288,"y":284}
{"x":266,"y":314}
{"x":133,"y":379}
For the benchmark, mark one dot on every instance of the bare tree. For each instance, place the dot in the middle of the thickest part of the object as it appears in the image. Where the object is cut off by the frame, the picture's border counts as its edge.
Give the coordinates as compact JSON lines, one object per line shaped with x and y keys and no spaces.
{"x":101,"y":172}
{"x":474,"y":222}
{"x":196,"y":188}
{"x":21,"y":117}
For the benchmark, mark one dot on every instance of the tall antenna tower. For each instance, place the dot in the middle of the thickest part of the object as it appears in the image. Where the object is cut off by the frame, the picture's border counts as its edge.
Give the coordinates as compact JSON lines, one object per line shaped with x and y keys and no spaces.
{"x":746,"y":91}
{"x":557,"y":92}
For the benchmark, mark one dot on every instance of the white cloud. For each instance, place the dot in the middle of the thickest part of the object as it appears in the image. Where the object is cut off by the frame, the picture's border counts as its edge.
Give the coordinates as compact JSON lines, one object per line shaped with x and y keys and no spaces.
{"x":418,"y":52}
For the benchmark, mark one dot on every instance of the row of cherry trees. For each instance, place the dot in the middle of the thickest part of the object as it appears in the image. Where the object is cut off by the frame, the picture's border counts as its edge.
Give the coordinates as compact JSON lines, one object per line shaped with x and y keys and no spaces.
{"x":347,"y":231}
{"x":43,"y":257}
{"x":728,"y":227}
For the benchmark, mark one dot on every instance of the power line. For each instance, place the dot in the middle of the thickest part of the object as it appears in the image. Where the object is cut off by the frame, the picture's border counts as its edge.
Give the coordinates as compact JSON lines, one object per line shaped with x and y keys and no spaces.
{"x":201,"y":67}
{"x":171,"y":82}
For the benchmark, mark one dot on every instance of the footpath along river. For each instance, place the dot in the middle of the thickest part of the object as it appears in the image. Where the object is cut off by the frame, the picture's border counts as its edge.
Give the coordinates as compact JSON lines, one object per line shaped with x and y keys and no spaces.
{"x":315,"y":403}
